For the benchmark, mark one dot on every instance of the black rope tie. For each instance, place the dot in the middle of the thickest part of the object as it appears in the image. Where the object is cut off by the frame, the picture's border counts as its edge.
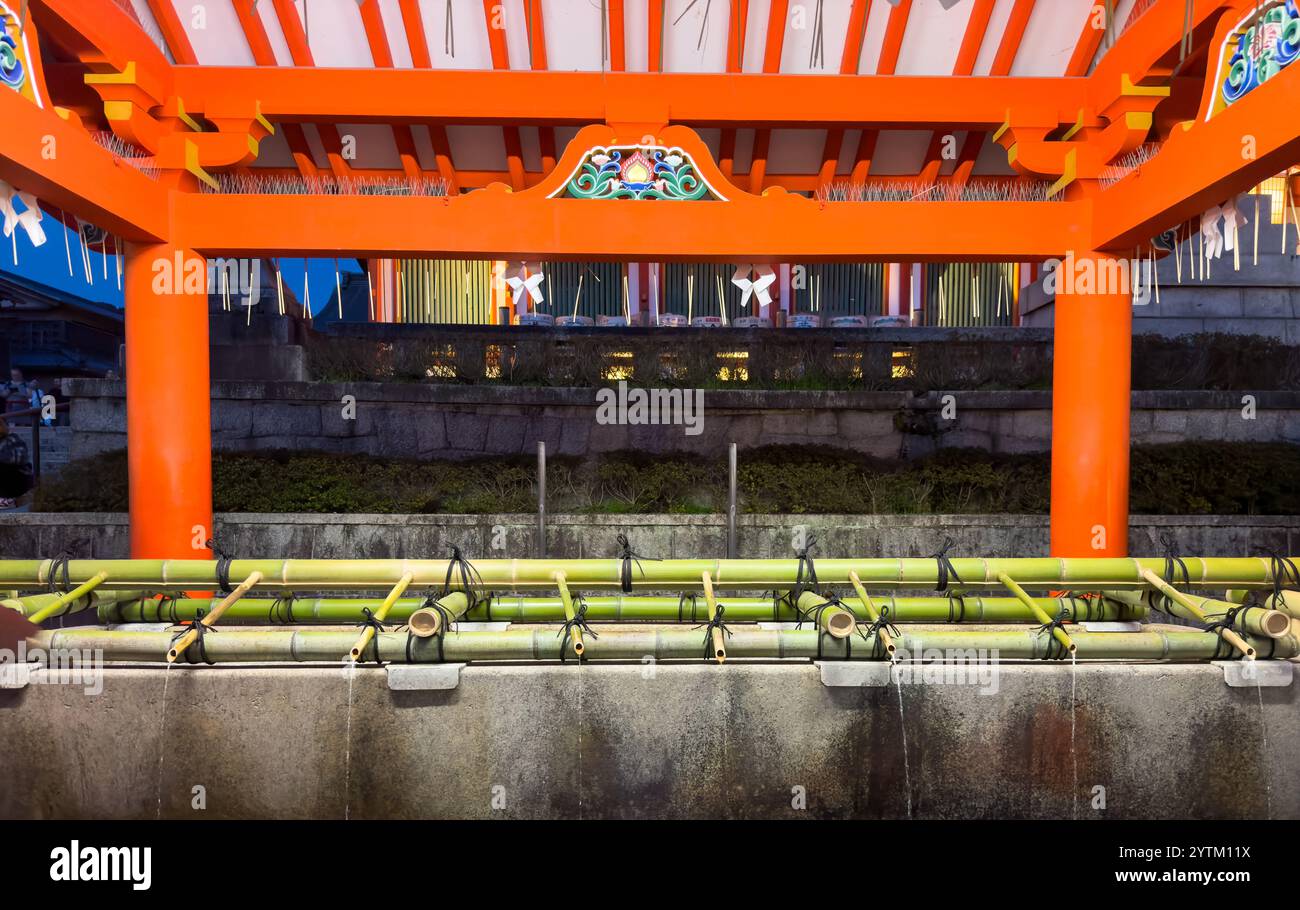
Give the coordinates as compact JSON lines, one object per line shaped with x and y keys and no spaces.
{"x":1173,"y":564}
{"x":411,"y":639}
{"x":872,"y":632}
{"x":200,"y":631}
{"x":945,"y":569}
{"x":170,"y":601}
{"x":370,"y":622}
{"x":805,"y":578}
{"x":282,"y":609}
{"x":1284,"y":573}
{"x":447,"y":618}
{"x":815,"y":613}
{"x":715,"y":623}
{"x":1055,"y":649}
{"x":629,"y":556}
{"x":224,"y":560}
{"x":60,"y":564}
{"x":470,"y":580}
{"x":578,"y":622}
{"x":956,"y":606}
{"x":693,"y":599}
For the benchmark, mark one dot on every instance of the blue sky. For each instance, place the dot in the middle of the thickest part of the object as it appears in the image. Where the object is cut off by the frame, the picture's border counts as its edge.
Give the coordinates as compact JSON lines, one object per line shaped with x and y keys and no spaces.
{"x":48,"y":265}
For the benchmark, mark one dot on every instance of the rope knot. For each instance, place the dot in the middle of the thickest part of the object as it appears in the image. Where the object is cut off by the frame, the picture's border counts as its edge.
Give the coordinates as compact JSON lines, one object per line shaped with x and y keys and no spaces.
{"x":945,"y":568}
{"x":579,"y":622}
{"x":715,"y":623}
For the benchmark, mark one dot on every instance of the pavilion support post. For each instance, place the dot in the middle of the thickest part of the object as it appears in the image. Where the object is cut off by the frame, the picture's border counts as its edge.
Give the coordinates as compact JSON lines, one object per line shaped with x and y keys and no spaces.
{"x":1090,"y":407}
{"x":168,"y":409}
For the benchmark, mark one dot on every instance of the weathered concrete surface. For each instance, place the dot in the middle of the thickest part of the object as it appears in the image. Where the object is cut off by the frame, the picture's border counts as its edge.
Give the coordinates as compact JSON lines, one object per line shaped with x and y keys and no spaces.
{"x":320,"y":536}
{"x":636,"y":741}
{"x":413,"y":420}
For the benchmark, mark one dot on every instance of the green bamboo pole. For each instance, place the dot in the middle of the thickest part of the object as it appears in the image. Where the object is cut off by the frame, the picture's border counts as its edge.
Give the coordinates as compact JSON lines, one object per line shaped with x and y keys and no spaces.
{"x":380,"y":615}
{"x":323,"y":646}
{"x":99,"y":600}
{"x":61,"y":601}
{"x":873,"y":614}
{"x":715,"y":633}
{"x":972,"y":608}
{"x":427,"y":622}
{"x":671,"y":574}
{"x":1260,"y":621}
{"x":1057,"y":632}
{"x":1196,"y":612}
{"x":210,"y":619}
{"x":834,"y":621}
{"x":1287,"y":602}
{"x":570,"y":616}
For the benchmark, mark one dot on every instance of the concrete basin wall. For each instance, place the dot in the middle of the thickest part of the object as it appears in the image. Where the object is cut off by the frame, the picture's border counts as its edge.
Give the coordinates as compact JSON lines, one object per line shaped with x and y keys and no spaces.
{"x":684,"y":741}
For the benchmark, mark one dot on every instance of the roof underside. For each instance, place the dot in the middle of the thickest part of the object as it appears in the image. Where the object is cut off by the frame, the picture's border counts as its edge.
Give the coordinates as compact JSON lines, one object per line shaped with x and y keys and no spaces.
{"x":915,"y":37}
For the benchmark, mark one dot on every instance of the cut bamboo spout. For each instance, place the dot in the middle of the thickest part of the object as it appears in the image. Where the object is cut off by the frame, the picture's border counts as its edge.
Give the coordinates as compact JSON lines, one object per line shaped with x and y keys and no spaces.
{"x":55,"y":608}
{"x":570,"y":615}
{"x":211,"y":618}
{"x":1039,"y":613}
{"x":873,"y":614}
{"x":380,"y":615}
{"x":1175,"y":595}
{"x":719,"y":646}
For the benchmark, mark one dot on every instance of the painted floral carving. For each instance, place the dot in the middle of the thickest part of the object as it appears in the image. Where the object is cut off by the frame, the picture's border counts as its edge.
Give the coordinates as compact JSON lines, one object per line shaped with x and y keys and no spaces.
{"x":637,"y":172}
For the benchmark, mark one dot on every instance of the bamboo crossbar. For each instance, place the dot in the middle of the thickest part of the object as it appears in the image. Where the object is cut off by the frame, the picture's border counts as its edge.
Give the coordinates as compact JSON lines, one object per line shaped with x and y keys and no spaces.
{"x":973,"y":608}
{"x":669,"y":574}
{"x":324,"y":646}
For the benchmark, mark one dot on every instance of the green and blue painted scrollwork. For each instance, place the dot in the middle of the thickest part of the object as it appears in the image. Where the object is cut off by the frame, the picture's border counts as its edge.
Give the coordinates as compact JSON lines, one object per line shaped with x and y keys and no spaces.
{"x":1263,"y":50}
{"x":637,"y":173}
{"x":12,"y":72}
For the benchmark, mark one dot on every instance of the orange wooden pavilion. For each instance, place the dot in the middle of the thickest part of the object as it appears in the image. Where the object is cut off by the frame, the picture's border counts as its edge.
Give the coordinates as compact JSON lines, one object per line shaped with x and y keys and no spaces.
{"x":746,"y":131}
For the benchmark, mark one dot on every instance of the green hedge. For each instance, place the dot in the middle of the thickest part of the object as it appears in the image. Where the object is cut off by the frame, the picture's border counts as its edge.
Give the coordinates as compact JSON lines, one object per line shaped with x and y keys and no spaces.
{"x":1179,"y":479}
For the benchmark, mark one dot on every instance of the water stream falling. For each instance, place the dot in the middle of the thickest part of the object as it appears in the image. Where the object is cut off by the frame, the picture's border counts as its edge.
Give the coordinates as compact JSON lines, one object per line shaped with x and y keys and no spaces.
{"x":1074,"y":755}
{"x":1263,"y":737}
{"x":347,"y":747}
{"x":902,"y":732}
{"x":162,"y":742}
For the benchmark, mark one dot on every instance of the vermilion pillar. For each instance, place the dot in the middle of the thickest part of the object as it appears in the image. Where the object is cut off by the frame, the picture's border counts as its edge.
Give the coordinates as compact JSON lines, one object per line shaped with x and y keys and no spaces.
{"x":169,"y":432}
{"x":1090,"y":408}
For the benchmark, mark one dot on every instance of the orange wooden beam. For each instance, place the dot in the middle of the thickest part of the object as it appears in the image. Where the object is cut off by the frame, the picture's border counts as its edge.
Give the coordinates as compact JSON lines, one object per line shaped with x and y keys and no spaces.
{"x":777,"y":15}
{"x":173,"y":32}
{"x":494,"y":224}
{"x":255,"y":34}
{"x":104,"y":37}
{"x":1202,"y":166}
{"x":82,"y":178}
{"x":855,"y":33}
{"x":617,"y":36}
{"x":500,"y":51}
{"x":1086,"y":47}
{"x":413,"y":24}
{"x":964,"y":65}
{"x":655,"y":36}
{"x":505,"y":96}
{"x":894,"y":31}
{"x":372,"y":20}
{"x":1012,"y":35}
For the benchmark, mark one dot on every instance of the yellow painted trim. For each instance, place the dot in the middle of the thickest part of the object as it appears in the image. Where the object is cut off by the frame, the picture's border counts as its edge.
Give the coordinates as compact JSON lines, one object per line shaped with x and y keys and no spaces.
{"x":1127,"y":88}
{"x":1071,"y":171}
{"x":126,"y":77}
{"x":192,"y":165}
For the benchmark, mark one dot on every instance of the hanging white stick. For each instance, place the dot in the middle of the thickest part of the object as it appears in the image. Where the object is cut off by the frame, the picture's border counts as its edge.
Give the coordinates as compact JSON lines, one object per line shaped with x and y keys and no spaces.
{"x":117,"y":262}
{"x":1178,"y":256}
{"x":338,"y":287}
{"x":690,"y":297}
{"x":1155,"y":273}
{"x":1255,"y":251}
{"x":67,"y":245}
{"x":370,"y":285}
{"x":1296,"y":219}
{"x":627,"y":304}
{"x":578,"y":296}
{"x":279,"y":287}
{"x":103,"y":255}
{"x":225,"y":290}
{"x":306,"y":291}
{"x":14,"y":239}
{"x":975,"y":295}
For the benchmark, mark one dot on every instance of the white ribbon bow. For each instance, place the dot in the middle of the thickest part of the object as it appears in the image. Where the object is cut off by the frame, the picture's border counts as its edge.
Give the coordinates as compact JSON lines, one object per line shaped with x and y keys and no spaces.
{"x":530,"y":286}
{"x":1233,"y":221}
{"x":29,"y":219}
{"x":1210,"y":231}
{"x":766,"y":275}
